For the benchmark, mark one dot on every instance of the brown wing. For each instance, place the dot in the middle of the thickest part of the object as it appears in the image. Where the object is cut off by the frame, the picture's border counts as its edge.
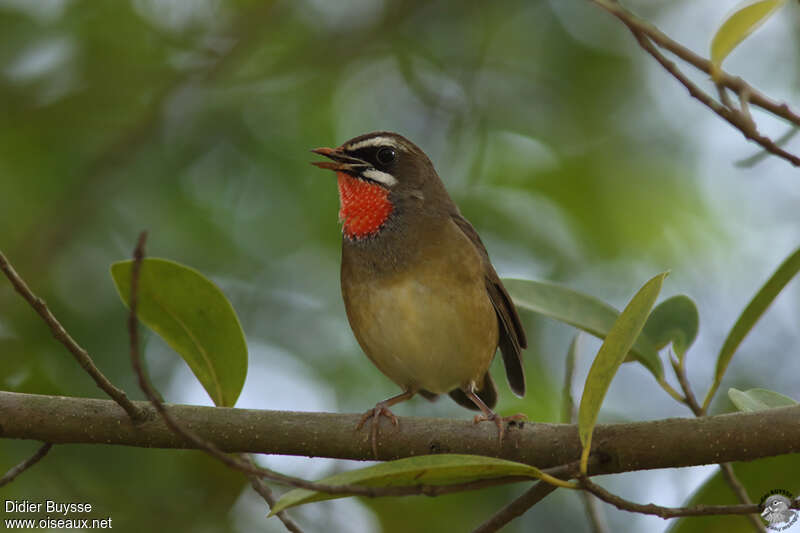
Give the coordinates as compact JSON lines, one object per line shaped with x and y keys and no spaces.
{"x":512,"y":336}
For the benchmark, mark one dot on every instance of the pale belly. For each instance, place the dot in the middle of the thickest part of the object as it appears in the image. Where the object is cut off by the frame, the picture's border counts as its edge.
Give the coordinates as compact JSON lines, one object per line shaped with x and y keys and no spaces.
{"x":424,"y":333}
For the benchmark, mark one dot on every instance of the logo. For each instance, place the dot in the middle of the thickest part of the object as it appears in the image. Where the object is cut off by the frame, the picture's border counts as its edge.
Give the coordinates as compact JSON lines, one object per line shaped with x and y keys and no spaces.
{"x":777,"y":510}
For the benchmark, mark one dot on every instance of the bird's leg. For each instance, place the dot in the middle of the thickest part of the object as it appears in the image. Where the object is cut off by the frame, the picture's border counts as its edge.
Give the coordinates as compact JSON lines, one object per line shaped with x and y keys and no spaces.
{"x":488,"y":414}
{"x":382,"y":409}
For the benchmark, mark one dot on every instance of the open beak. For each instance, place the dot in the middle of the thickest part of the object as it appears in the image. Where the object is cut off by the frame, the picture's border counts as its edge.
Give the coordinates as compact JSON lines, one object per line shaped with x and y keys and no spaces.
{"x":341,"y":162}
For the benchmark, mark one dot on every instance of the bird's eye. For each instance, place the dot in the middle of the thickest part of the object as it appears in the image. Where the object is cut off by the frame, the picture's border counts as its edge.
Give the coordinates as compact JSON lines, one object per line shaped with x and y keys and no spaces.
{"x":386,"y":155}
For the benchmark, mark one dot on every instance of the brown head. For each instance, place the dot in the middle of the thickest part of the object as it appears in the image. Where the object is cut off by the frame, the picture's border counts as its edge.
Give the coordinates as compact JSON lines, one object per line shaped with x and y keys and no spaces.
{"x":383,"y":178}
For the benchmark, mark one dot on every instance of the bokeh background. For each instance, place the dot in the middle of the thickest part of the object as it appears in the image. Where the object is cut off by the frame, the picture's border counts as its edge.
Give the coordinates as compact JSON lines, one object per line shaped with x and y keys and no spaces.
{"x":575,"y":156}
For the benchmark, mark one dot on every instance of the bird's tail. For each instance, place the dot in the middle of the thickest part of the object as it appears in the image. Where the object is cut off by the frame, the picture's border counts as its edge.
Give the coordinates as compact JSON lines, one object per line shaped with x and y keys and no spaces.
{"x":487,"y":392}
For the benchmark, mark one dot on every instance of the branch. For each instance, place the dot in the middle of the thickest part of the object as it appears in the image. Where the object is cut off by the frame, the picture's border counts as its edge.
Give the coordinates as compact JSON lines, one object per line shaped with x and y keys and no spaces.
{"x":734,"y":83}
{"x":265,"y":492}
{"x":736,"y":118}
{"x":61,"y":335}
{"x":516,"y":508}
{"x":669,"y":443}
{"x":667,"y":512}
{"x":247,"y":466}
{"x":727,"y":470}
{"x":26,"y":464}
{"x":679,"y":366}
{"x":594,"y":513}
{"x":741,"y":494}
{"x":569,"y":413}
{"x":647,"y":34}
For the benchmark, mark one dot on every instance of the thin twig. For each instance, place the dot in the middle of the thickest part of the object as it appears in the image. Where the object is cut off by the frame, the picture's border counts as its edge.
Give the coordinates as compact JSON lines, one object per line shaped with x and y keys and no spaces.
{"x":250,"y":469}
{"x":759,"y":156}
{"x":26,"y":464}
{"x":569,"y":415}
{"x":722,"y":91}
{"x":669,"y":390}
{"x":666,"y":512}
{"x":738,"y":489}
{"x":647,"y":34}
{"x":61,"y":335}
{"x":541,"y":489}
{"x":265,"y":492}
{"x":731,"y":116}
{"x":150,"y":392}
{"x":735,"y":83}
{"x":516,"y":508}
{"x":679,"y":366}
{"x":744,"y":106}
{"x":594,"y":512}
{"x":530,"y":497}
{"x":680,"y":372}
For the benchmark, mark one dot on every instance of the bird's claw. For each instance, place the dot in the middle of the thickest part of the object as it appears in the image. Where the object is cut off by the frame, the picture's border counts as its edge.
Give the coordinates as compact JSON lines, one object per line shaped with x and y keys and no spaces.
{"x":499,"y":421}
{"x":375,"y":414}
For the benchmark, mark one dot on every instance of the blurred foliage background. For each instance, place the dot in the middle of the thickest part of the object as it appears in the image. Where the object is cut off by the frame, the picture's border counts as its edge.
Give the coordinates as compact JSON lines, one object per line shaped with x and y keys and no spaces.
{"x":576,"y":158}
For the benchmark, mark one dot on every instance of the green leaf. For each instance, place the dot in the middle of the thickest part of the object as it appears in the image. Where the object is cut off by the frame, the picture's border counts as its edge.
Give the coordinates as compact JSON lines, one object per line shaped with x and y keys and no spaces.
{"x":738,"y":26}
{"x":676,"y":321}
{"x":758,"y":399}
{"x":580,"y":310}
{"x":750,"y":316}
{"x":611,"y":355}
{"x":443,"y":469}
{"x":195,"y":318}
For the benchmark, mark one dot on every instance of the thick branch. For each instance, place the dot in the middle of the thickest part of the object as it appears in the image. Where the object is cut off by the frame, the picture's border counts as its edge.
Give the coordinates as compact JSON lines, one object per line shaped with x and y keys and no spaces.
{"x":675,"y":442}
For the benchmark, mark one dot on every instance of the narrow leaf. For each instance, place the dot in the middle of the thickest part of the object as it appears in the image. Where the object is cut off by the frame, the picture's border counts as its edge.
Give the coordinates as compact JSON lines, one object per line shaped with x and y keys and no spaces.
{"x":610,"y":356}
{"x":195,"y":319}
{"x":758,"y":399}
{"x":738,"y":26}
{"x":443,"y":469}
{"x":760,"y":302}
{"x":676,"y":321}
{"x":580,"y":310}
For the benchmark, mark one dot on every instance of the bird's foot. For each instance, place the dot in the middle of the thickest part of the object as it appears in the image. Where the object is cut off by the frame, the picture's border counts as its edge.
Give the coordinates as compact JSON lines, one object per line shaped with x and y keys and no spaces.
{"x":500,"y":422}
{"x":374,"y":414}
{"x":382,"y":409}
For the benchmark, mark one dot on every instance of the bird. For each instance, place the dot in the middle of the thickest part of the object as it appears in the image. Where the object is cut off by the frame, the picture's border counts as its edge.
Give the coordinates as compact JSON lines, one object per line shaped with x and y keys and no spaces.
{"x":420,"y":293}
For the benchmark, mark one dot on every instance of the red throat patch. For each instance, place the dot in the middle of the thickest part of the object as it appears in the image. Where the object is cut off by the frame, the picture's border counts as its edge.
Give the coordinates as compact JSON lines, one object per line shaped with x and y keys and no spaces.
{"x":363,"y":206}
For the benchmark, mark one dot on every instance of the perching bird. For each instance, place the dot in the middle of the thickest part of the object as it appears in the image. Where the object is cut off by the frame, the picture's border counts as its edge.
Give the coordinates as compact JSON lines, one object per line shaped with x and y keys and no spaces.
{"x":421,"y":295}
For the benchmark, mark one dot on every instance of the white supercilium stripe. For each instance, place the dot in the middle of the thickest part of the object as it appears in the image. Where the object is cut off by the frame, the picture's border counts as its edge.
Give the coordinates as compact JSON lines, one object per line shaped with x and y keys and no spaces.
{"x":381,"y":177}
{"x":375,"y":141}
